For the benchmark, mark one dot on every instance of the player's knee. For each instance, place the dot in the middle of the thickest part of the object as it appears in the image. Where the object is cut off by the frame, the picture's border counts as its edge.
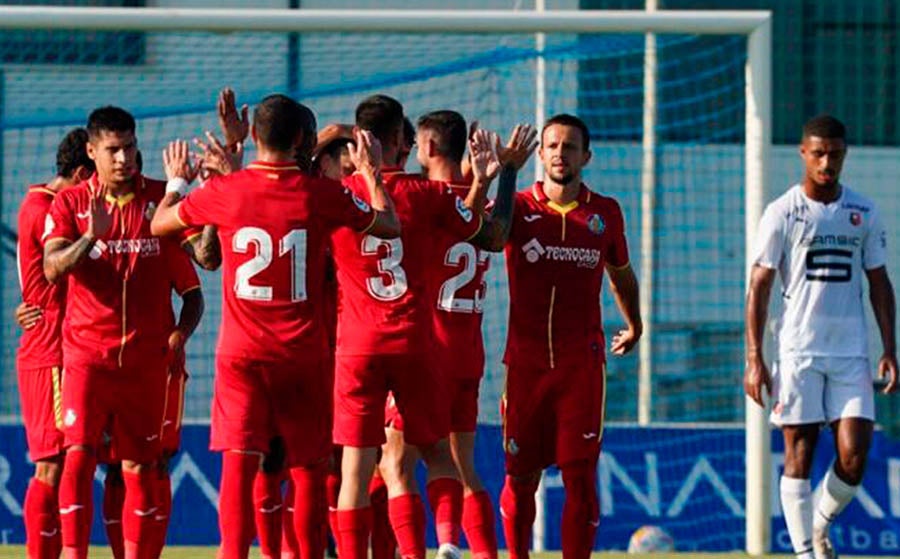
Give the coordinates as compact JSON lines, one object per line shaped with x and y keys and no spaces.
{"x":580,"y":483}
{"x":850,"y":467}
{"x":133,"y":467}
{"x":48,"y":471}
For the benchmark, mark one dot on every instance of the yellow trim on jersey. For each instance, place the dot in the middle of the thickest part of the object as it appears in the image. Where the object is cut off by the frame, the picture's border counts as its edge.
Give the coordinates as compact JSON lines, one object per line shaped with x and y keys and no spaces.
{"x":264,"y":167}
{"x":124,"y":321}
{"x":44,"y":190}
{"x":561,"y":208}
{"x":550,"y":327}
{"x":56,"y":381}
{"x":120,"y":201}
{"x":189,"y":289}
{"x":477,"y":231}
{"x":190,"y":238}
{"x":372,"y":223}
{"x":622,"y":267}
{"x":602,"y":404}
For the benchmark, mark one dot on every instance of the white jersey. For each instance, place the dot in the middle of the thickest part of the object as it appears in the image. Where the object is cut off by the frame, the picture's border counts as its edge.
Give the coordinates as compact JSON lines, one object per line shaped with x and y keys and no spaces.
{"x":821,"y":252}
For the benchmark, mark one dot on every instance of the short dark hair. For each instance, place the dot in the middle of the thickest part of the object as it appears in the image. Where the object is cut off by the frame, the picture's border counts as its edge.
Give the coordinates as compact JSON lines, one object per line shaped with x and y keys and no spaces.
{"x":450,"y":129}
{"x":109,"y":119}
{"x":565,"y":119}
{"x":279,"y":120}
{"x":308,"y":125}
{"x":824,"y":126}
{"x":72,"y":153}
{"x":409,"y":132}
{"x":381,"y":115}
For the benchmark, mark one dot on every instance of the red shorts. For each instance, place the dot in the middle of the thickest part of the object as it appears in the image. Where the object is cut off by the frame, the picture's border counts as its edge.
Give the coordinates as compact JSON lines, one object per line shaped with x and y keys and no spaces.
{"x":171,"y":428}
{"x":361,"y":387}
{"x":256,"y":401}
{"x":127,"y":403}
{"x":463,"y":409}
{"x":552,"y":416}
{"x":40,"y":392}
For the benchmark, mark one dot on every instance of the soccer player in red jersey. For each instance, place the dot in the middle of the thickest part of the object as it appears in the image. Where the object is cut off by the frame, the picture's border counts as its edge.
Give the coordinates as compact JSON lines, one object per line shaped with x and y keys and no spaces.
{"x":273,"y":375}
{"x":116,"y":348}
{"x":39,"y":357}
{"x":563,"y":237}
{"x":385,"y":338}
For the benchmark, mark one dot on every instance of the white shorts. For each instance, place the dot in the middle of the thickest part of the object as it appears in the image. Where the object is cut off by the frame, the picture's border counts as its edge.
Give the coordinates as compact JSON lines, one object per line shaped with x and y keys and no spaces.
{"x":821,"y":389}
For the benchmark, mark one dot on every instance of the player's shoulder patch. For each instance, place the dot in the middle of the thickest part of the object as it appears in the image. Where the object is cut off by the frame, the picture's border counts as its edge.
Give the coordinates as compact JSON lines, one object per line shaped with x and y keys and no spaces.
{"x":462,"y":210}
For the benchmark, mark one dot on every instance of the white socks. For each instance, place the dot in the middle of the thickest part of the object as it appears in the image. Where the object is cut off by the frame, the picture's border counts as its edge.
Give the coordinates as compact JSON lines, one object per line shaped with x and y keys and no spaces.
{"x":796,"y":501}
{"x":835,"y":495}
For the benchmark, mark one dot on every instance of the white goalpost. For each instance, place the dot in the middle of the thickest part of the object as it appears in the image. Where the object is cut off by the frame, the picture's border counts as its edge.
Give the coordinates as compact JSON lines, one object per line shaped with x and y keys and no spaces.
{"x":755,"y":25}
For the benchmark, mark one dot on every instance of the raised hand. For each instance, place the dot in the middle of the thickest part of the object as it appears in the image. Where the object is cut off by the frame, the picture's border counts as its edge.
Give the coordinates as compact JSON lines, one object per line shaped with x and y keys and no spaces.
{"x":365,"y":153}
{"x":235,"y":126}
{"x":177,"y":161}
{"x":521,"y":144}
{"x":215,"y":158}
{"x":99,"y":218}
{"x":483,"y":156}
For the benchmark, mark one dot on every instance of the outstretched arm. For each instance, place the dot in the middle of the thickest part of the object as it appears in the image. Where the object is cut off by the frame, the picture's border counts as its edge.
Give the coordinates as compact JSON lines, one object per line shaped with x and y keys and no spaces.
{"x":61,"y":256}
{"x":756,"y":374}
{"x":881,"y":295}
{"x":366,"y":156}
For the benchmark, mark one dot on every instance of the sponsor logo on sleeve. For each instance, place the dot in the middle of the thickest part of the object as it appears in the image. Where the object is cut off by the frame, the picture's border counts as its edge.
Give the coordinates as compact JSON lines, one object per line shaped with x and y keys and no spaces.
{"x":463,"y":211}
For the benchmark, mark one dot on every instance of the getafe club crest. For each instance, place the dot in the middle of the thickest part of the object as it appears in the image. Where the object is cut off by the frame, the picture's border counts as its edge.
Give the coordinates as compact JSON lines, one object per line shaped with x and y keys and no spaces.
{"x":855,"y":219}
{"x":595,"y":224}
{"x":149,"y":211}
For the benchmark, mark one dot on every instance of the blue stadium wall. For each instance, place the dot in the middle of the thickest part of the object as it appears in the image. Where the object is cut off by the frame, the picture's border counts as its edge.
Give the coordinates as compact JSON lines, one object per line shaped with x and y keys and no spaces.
{"x":689,"y":480}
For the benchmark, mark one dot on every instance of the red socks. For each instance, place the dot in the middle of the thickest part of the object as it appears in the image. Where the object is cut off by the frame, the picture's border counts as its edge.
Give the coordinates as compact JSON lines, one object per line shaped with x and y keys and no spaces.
{"x":333,"y":489}
{"x":267,"y":509}
{"x":478,"y":523}
{"x":407,"y":514}
{"x":76,"y":502}
{"x":446,"y":497}
{"x":289,"y":547}
{"x":354,"y":526}
{"x":310,"y":510}
{"x":163,"y":512}
{"x":236,"y":504}
{"x":518,"y":511}
{"x":139,"y":513}
{"x":42,"y":530}
{"x":581,"y":511}
{"x":384,"y":545}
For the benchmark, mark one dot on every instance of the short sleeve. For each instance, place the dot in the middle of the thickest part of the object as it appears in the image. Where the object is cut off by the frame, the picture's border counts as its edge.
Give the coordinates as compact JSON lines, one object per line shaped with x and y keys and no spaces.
{"x":343,"y":205}
{"x":617,"y":253}
{"x":874,"y":254}
{"x":181,"y":270}
{"x":452,"y":214}
{"x":206,"y":205}
{"x":769,"y":247}
{"x":60,"y":220}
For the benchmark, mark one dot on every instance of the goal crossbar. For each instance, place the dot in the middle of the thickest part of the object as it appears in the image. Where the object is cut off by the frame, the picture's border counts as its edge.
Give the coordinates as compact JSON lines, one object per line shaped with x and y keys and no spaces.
{"x":756,"y":25}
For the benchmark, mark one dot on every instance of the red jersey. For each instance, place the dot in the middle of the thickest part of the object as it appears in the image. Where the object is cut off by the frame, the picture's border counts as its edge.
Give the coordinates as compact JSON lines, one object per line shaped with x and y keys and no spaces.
{"x":273,"y":224}
{"x":458,"y":290}
{"x":384,"y":305}
{"x":118,"y":307}
{"x":40,"y":346}
{"x":555,"y":258}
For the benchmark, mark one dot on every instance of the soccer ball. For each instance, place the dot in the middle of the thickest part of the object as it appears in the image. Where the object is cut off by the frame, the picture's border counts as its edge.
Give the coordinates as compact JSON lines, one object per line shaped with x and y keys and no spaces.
{"x":650,"y":539}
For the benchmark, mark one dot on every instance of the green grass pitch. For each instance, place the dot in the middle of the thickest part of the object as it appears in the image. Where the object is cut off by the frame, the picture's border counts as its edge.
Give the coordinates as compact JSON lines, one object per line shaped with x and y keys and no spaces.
{"x":18,"y":552}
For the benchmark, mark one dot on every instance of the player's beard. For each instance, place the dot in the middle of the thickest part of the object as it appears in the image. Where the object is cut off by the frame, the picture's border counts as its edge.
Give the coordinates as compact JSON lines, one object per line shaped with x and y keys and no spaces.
{"x":563,"y":179}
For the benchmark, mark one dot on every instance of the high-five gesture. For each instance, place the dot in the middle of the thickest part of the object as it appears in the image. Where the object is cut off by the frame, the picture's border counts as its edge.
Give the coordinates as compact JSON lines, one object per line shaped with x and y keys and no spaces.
{"x":365,"y":152}
{"x":215,"y":158}
{"x":177,"y":161}
{"x":521,"y":144}
{"x":235,"y":126}
{"x":485,"y":162}
{"x":99,"y":218}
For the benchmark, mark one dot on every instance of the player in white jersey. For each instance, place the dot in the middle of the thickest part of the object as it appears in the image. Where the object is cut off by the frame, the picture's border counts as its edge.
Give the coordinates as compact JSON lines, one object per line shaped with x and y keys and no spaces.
{"x":822,"y":238}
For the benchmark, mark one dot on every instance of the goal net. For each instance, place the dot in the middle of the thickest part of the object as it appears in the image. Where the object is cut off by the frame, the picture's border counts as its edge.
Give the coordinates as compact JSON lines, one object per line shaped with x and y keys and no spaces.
{"x":51,"y":79}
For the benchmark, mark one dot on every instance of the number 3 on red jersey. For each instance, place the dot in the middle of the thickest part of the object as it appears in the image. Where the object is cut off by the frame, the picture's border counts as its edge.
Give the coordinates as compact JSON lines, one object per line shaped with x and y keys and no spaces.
{"x":294,"y":243}
{"x":391,"y":282}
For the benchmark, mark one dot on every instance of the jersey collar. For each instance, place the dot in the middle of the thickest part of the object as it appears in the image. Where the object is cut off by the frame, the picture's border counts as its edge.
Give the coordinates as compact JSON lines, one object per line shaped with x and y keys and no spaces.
{"x":274,"y":166}
{"x":584,"y":197}
{"x":121,"y":201}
